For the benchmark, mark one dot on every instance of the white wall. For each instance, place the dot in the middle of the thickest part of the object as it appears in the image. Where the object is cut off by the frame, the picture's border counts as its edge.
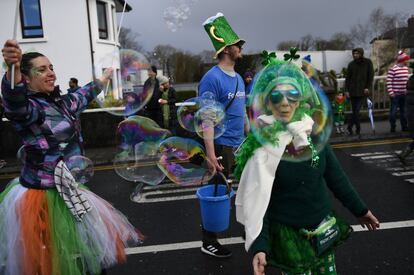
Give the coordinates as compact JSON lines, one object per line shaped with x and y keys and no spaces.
{"x":66,"y":39}
{"x":324,"y":60}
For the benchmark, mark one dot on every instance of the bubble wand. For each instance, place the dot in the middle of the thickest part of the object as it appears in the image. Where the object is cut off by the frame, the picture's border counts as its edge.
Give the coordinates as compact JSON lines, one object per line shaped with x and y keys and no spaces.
{"x":16,"y":17}
{"x":117,"y":37}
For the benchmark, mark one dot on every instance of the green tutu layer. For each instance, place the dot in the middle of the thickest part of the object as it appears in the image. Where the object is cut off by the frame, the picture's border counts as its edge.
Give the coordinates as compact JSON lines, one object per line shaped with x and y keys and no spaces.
{"x":293,"y":253}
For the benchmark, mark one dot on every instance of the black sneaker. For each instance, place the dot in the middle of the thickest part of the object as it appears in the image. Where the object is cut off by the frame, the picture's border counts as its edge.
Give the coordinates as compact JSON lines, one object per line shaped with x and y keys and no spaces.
{"x":216,"y":250}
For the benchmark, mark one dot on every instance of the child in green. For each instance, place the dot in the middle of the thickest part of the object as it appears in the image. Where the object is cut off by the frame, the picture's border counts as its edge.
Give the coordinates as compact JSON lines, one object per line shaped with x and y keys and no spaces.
{"x":338,"y":108}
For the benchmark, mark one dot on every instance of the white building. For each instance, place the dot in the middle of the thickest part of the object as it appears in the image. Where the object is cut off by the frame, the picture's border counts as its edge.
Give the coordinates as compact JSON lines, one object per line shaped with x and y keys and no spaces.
{"x":73,"y":34}
{"x":324,"y":61}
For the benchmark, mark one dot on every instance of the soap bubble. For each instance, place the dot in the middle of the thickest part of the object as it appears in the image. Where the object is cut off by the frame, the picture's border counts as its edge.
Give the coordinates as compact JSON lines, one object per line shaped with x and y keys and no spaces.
{"x":81,"y":168}
{"x":184,"y":161}
{"x":283,"y":100}
{"x":125,"y":93}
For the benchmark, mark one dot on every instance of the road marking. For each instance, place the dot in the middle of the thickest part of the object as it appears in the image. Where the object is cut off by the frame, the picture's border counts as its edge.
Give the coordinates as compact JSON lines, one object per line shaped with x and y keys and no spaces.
{"x":402,"y":174}
{"x":168,"y":194}
{"x":378,"y":157}
{"x":371,"y":154}
{"x":371,"y":143}
{"x":239,"y":240}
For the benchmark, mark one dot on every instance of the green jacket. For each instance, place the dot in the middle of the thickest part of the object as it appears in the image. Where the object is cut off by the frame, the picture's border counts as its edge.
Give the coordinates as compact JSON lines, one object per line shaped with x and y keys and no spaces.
{"x":300,"y":195}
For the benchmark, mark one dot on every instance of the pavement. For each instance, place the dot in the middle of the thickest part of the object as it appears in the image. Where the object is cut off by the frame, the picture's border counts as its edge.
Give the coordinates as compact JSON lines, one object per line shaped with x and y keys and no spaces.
{"x":105,"y":156}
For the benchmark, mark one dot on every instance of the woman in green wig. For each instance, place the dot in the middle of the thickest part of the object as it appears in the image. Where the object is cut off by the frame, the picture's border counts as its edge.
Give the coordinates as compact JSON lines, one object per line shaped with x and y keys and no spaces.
{"x":286,"y":169}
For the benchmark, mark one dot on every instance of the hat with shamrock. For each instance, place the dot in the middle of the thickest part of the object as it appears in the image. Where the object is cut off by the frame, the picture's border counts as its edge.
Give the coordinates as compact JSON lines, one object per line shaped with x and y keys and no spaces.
{"x":221,"y":33}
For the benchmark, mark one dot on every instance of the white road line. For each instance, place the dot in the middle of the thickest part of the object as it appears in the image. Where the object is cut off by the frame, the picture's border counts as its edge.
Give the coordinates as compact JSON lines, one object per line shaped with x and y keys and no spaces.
{"x":410,"y":180}
{"x":378,"y":157}
{"x":239,"y":240}
{"x":169,"y":195}
{"x":402,"y":174}
{"x":371,"y":154}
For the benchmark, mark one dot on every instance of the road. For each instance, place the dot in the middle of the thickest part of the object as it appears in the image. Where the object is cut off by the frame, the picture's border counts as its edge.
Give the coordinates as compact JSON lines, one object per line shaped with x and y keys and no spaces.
{"x":169,"y":216}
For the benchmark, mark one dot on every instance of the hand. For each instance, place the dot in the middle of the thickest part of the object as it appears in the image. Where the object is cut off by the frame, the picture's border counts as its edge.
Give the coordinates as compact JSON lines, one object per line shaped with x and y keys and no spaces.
{"x":214,"y":163}
{"x":12,"y":54}
{"x":366,"y":92}
{"x":259,"y":263}
{"x":106,"y":76}
{"x":347,"y":94}
{"x":162,"y":101}
{"x":369,"y":221}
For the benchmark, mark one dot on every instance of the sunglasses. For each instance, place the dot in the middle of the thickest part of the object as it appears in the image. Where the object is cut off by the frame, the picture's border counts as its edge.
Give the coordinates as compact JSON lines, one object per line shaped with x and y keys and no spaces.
{"x":276,"y":96}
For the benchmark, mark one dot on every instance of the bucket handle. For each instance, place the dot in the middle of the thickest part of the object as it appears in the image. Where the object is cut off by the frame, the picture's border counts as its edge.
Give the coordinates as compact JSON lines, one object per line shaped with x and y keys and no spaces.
{"x":228,"y":186}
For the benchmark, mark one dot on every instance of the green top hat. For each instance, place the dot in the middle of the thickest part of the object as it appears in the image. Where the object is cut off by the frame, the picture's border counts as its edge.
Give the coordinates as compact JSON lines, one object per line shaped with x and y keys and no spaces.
{"x":220,"y":33}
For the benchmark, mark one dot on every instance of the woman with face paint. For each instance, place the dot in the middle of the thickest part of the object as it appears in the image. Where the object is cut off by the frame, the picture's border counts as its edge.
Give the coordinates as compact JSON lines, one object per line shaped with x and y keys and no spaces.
{"x":286,"y":170}
{"x":50,"y":224}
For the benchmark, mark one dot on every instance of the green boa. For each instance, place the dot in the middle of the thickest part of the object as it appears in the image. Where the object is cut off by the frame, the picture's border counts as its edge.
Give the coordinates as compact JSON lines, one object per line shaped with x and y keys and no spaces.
{"x":267,"y":134}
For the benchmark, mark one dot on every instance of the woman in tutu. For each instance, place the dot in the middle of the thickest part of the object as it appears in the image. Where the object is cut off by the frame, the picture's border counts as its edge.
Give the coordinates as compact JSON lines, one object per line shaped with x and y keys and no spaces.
{"x":285,"y":170}
{"x":49,"y":224}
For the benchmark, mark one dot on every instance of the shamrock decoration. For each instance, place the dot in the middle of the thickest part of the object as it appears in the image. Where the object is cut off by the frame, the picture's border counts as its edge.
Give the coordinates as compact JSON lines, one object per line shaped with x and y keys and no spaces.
{"x":267,"y":57}
{"x":292,"y":55}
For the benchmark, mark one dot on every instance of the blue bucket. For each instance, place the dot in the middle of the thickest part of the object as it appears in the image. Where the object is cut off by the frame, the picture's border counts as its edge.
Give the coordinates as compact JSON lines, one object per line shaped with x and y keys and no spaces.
{"x":215,"y":208}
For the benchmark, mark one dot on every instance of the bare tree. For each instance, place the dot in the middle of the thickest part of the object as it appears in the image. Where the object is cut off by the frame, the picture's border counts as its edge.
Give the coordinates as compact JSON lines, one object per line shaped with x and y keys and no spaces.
{"x":162,"y":56}
{"x":286,"y":45}
{"x":307,"y":43}
{"x":340,"y":41}
{"x":207,"y":56}
{"x":129,"y":40}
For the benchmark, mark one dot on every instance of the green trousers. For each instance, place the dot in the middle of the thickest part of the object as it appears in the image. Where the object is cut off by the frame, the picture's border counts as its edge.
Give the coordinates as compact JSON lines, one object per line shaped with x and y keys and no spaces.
{"x":326,"y":266}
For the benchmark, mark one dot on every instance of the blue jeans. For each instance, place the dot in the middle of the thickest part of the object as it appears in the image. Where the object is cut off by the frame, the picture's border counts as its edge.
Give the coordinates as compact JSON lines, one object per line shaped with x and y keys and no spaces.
{"x":398,"y":102}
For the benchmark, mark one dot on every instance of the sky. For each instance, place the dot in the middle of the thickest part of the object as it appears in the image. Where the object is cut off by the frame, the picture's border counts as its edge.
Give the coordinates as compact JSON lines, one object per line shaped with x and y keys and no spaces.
{"x":262,"y":23}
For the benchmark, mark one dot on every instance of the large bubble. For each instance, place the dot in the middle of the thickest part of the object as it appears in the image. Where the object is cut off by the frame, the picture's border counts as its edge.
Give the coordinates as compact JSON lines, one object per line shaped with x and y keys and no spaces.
{"x":81,"y":168}
{"x":184,"y":161}
{"x":175,"y":16}
{"x":136,"y":129}
{"x":285,"y":104}
{"x":125,"y":94}
{"x":140,"y":165}
{"x":202,"y":115}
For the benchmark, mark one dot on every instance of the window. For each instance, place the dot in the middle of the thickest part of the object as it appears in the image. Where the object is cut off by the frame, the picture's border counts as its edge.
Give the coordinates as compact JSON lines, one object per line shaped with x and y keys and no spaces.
{"x":31,"y":19}
{"x":102,"y":20}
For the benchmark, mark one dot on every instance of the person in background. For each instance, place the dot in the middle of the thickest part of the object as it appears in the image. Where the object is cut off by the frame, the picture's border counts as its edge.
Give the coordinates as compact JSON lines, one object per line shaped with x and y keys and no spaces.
{"x":310,"y":71}
{"x":228,"y":88}
{"x":397,"y":78}
{"x":358,"y":83}
{"x":248,"y":81}
{"x":338,"y":107}
{"x":167,"y":102}
{"x":73,"y":85}
{"x":153,"y":110}
{"x":409,"y":112}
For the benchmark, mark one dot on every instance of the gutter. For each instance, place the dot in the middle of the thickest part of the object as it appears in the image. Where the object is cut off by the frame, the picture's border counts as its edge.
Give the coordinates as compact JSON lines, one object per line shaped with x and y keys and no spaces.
{"x":90,"y":40}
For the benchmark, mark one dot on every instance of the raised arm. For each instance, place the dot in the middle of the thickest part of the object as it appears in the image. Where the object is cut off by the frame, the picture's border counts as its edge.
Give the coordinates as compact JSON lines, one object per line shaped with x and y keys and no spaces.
{"x":15,"y":102}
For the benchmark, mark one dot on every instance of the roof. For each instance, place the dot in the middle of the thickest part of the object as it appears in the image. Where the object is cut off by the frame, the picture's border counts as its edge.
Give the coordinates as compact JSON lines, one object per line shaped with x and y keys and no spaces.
{"x":408,"y":41}
{"x":391,"y":34}
{"x":119,"y":5}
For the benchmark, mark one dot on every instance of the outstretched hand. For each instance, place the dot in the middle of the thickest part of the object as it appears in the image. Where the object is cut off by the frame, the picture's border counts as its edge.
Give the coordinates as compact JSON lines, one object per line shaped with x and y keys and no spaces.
{"x":106,"y":76}
{"x":259,"y":263}
{"x":12,"y":53}
{"x":369,"y":221}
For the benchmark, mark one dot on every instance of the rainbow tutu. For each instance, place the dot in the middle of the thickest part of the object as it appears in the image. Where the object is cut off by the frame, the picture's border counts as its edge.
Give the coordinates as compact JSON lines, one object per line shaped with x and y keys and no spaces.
{"x":39,"y":235}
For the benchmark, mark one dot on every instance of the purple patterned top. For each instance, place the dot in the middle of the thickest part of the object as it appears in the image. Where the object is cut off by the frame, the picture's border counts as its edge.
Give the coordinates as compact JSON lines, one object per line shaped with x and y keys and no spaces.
{"x":49,"y":126}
